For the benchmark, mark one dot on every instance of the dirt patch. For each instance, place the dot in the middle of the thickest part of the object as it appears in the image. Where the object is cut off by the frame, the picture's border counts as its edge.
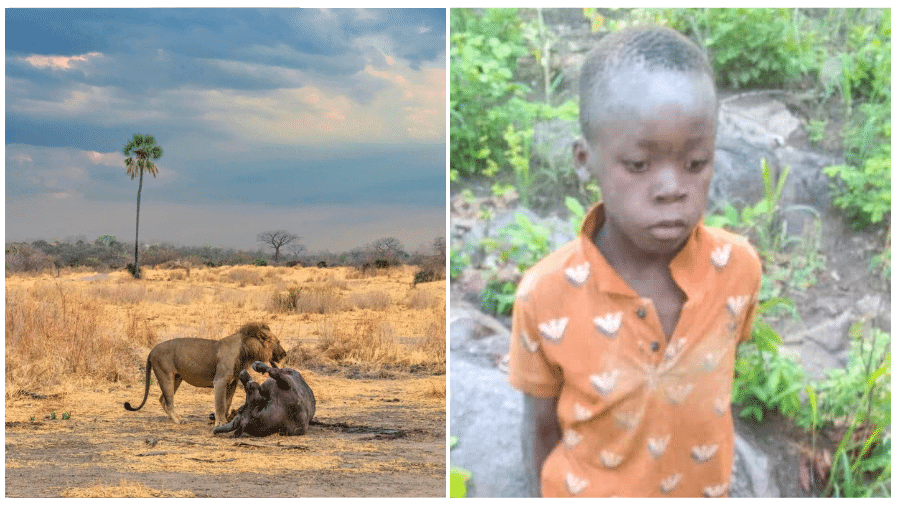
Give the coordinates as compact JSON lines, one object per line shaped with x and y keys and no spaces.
{"x":365,"y":441}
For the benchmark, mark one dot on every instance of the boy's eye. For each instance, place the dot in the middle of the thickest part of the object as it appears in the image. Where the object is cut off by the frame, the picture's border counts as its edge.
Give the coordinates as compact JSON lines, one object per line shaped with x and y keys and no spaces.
{"x":697,"y":165}
{"x":635,"y":165}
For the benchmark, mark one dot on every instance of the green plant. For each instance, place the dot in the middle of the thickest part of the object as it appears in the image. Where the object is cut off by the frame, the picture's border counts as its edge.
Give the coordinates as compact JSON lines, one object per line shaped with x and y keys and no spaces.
{"x":860,"y":393}
{"x":751,"y":47}
{"x":498,"y":297}
{"x":518,"y":155}
{"x":864,"y":193}
{"x":66,"y":416}
{"x":866,"y":63}
{"x":522,"y":243}
{"x":882,"y":261}
{"x":857,"y":399}
{"x":459,"y":477}
{"x":789,"y":261}
{"x":861,"y":187}
{"x":815,"y":130}
{"x":762,"y":218}
{"x":765,"y":380}
{"x":458,"y":262}
{"x":484,"y":48}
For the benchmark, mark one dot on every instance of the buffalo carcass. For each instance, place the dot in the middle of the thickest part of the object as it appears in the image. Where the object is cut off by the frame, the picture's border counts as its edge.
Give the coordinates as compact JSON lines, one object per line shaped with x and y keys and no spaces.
{"x":283,"y":404}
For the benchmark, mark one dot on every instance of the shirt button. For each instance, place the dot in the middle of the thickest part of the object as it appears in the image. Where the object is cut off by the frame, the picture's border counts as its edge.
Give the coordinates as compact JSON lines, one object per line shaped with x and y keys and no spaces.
{"x":654,"y":346}
{"x":641,"y":312}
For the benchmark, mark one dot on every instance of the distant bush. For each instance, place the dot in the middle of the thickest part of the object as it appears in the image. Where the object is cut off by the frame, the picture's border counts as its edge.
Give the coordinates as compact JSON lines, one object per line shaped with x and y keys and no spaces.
{"x":320,"y":299}
{"x":26,"y":258}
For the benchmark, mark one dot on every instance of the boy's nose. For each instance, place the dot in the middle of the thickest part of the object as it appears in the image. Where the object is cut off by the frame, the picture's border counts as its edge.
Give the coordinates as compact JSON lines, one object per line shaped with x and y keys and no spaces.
{"x":669,"y":186}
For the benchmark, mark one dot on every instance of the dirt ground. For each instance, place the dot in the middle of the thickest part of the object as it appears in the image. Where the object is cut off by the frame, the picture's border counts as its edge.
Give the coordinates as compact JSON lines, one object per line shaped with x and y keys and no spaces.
{"x":366,"y":442}
{"x":378,"y":432}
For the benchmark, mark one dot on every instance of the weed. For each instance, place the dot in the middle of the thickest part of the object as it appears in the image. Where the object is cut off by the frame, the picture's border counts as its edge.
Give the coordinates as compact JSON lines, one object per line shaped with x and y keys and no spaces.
{"x":751,"y":47}
{"x":864,"y":193}
{"x":789,"y":261}
{"x":459,"y":260}
{"x":459,"y":477}
{"x":766,"y":381}
{"x":498,"y":297}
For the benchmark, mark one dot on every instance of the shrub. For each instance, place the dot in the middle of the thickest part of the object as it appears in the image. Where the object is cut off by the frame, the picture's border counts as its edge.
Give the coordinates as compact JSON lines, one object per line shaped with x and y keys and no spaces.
{"x":484,"y":48}
{"x":244,"y":276}
{"x":751,"y":47}
{"x":320,"y":299}
{"x":377,"y":300}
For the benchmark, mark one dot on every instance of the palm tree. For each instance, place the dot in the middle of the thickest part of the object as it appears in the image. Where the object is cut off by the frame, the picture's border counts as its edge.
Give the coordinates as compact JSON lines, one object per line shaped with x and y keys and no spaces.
{"x":140,"y":150}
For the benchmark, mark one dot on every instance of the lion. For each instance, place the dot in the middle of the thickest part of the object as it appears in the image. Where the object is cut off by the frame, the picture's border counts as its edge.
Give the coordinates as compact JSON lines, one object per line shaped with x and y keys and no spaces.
{"x":208,"y":363}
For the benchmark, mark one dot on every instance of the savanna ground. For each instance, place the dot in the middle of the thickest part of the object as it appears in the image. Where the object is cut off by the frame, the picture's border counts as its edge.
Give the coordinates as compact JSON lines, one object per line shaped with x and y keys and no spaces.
{"x":370,"y":345}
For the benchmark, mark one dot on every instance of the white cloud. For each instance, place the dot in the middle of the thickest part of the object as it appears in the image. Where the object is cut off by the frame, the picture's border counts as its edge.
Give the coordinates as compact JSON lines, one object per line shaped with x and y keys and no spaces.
{"x":65,"y":172}
{"x":59,"y":62}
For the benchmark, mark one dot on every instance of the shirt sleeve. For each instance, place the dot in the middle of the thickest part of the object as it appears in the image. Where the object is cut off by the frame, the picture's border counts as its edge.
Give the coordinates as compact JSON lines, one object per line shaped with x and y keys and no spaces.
{"x":530,"y":370}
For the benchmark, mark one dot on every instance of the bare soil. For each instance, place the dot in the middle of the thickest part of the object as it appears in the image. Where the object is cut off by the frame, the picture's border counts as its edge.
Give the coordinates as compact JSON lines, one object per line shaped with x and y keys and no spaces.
{"x":381,"y":438}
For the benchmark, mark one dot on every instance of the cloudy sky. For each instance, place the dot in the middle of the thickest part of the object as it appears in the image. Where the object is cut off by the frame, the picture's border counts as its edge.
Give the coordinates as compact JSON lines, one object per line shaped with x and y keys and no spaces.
{"x":327,"y":123}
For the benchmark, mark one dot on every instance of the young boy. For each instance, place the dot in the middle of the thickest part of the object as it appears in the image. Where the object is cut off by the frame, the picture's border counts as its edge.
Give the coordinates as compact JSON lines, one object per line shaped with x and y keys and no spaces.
{"x":623,"y":340}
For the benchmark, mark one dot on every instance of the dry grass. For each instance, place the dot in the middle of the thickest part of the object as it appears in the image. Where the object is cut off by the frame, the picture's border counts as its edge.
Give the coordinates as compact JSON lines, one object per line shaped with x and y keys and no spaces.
{"x":321,"y":299}
{"x":420,"y":298}
{"x":123,"y":489}
{"x":244,"y":276}
{"x":84,"y":326}
{"x":377,"y":300}
{"x":54,"y":331}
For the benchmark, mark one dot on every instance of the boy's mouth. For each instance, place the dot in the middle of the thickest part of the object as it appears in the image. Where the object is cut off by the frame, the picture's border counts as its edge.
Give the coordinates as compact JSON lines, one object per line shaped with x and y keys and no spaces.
{"x":668,"y":230}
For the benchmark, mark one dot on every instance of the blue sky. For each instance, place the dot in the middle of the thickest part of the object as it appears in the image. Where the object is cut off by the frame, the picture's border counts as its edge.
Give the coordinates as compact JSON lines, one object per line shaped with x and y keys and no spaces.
{"x":330,"y":124}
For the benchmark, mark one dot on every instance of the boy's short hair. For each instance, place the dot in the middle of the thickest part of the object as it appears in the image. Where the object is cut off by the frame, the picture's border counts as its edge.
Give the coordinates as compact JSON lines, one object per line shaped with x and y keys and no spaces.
{"x":649,"y":47}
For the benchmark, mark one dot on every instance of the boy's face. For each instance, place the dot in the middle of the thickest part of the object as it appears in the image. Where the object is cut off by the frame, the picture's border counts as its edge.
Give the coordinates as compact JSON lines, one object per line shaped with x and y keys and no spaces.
{"x":654,"y":156}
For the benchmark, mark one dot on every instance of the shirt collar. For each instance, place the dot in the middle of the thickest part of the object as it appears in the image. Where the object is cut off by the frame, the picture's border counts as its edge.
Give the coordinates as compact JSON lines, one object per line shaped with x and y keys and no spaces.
{"x":686,"y":267}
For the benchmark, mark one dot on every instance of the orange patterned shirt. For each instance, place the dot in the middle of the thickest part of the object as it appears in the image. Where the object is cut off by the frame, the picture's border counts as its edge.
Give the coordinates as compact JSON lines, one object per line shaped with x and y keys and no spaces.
{"x":640,"y":417}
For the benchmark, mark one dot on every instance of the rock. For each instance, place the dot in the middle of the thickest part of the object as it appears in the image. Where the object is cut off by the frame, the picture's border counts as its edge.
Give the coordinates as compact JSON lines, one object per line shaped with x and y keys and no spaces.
{"x":806,"y":183}
{"x":737,"y":178}
{"x":832,"y":334}
{"x":757,"y":118}
{"x":476,"y":336}
{"x":870,"y":305}
{"x":751,"y":473}
{"x":485,"y":414}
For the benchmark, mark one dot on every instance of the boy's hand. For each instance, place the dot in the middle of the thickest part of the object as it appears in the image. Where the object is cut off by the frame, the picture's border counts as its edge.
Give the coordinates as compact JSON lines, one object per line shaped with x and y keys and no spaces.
{"x":540,"y":434}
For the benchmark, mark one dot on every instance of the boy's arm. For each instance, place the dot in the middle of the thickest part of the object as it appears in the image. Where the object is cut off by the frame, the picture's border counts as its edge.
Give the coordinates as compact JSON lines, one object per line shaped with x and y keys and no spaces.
{"x":540,"y":434}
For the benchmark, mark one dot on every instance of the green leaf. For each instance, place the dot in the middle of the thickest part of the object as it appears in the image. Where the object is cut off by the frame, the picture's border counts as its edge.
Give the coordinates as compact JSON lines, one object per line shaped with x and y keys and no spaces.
{"x":458,"y":479}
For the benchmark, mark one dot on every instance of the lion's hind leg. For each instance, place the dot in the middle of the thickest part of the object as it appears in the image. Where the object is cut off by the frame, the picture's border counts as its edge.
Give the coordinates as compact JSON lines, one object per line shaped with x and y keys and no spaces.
{"x":169,"y":384}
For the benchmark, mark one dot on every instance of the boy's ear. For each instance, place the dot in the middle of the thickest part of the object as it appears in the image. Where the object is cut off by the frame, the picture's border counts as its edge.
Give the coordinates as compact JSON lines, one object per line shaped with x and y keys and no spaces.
{"x":581,"y":154}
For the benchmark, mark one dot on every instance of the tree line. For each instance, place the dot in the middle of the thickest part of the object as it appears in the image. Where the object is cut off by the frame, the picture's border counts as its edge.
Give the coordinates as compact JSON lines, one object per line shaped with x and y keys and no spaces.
{"x":107,"y":253}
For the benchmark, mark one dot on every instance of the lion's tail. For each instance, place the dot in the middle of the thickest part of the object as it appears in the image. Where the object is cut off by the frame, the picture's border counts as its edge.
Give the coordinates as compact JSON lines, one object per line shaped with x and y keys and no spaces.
{"x":146,"y":389}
